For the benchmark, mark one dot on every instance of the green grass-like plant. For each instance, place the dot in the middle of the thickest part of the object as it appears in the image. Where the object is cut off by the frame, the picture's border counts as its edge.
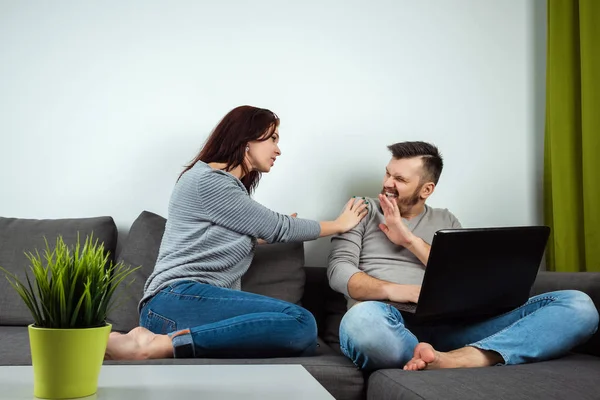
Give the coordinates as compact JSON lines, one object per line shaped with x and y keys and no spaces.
{"x":72,"y":287}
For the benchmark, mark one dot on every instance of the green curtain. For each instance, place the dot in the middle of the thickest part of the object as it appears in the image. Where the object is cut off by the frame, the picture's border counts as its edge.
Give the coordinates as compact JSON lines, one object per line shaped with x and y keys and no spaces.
{"x":572,"y":139}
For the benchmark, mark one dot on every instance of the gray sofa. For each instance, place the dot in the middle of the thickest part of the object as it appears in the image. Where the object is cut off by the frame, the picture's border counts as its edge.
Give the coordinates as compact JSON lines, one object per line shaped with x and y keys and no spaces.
{"x":278,"y":271}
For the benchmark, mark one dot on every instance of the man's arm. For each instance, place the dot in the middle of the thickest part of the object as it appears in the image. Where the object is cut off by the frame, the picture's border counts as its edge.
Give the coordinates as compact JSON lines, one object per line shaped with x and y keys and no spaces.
{"x":419,"y":248}
{"x":345,"y":276}
{"x":344,"y":257}
{"x":364,"y":287}
{"x":399,"y":234}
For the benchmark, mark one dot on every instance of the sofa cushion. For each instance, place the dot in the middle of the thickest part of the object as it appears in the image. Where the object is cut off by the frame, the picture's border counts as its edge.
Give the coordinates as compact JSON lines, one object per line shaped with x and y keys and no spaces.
{"x":277,"y":271}
{"x":18,"y":236}
{"x":140,"y":249}
{"x":572,"y":377}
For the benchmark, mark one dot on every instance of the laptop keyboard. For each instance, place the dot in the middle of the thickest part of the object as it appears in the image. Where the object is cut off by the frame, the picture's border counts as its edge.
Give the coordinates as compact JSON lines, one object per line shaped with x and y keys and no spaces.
{"x":404,"y":307}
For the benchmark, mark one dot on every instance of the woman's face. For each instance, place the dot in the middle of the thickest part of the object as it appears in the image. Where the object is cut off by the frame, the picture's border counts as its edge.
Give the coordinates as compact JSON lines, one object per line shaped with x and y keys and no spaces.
{"x":261,"y":155}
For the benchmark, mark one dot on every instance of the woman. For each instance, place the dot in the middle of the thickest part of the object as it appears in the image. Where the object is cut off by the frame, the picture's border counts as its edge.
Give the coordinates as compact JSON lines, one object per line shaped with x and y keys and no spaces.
{"x":192,"y":304}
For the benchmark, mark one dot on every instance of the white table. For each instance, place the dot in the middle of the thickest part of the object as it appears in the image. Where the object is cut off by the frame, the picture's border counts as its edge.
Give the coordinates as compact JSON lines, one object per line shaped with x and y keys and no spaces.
{"x":201,"y":382}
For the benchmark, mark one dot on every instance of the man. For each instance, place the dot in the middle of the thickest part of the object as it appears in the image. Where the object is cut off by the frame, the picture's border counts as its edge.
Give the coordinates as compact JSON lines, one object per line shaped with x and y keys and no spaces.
{"x":384,"y":258}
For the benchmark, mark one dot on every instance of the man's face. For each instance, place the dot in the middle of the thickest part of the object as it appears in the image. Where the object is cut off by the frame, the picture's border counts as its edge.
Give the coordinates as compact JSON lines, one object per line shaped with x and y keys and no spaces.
{"x":402,"y":182}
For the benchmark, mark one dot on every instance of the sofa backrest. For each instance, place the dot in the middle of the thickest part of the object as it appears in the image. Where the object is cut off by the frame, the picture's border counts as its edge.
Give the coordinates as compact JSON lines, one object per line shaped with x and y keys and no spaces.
{"x":18,"y":236}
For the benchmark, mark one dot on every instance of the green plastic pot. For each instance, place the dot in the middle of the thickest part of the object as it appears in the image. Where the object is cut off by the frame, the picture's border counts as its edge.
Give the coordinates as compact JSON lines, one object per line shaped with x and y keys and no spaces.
{"x":67,"y":362}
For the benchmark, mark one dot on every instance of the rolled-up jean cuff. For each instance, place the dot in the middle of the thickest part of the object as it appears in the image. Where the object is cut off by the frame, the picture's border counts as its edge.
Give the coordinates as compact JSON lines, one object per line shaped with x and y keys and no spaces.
{"x":480,"y":346}
{"x":183,"y":344}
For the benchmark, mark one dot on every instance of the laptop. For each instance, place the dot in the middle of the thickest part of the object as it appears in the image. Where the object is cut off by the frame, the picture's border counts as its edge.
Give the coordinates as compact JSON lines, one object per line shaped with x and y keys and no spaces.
{"x":477,"y":273}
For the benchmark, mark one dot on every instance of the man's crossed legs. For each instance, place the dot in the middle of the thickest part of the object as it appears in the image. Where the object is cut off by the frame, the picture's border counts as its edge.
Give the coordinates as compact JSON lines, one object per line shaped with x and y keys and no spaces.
{"x":374,"y":335}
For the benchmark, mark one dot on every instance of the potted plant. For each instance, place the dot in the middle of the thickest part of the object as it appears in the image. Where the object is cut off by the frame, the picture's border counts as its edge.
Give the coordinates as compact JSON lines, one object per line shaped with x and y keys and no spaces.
{"x":69,"y":298}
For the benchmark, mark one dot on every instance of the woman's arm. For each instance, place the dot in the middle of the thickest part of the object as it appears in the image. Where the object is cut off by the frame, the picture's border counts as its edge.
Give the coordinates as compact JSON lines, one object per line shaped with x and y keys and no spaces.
{"x":224,"y":202}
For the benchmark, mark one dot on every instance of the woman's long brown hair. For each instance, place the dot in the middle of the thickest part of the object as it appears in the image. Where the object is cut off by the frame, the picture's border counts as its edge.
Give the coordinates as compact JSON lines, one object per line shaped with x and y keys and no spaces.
{"x":227,"y":143}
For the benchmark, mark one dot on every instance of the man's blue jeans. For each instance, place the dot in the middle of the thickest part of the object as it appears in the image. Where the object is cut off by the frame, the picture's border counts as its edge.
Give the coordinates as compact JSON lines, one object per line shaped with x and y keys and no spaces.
{"x":208,"y":321}
{"x":374,"y":335}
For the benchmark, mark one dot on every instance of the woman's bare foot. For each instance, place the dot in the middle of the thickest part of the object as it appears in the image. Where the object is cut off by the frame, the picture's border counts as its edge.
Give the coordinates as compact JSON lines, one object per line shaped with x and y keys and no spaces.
{"x":426,"y":357}
{"x":138,"y":344}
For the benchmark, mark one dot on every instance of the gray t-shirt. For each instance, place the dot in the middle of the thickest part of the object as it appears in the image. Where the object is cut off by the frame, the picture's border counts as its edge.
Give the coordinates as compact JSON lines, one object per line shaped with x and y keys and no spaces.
{"x":366,"y":249}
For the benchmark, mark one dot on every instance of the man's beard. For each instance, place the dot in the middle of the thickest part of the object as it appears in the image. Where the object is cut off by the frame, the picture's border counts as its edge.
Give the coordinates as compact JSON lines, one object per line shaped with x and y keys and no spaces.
{"x":406,"y":203}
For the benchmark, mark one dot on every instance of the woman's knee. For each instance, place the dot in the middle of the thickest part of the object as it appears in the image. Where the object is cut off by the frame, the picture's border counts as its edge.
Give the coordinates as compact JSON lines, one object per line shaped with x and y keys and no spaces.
{"x":304,"y":317}
{"x":306,"y":332}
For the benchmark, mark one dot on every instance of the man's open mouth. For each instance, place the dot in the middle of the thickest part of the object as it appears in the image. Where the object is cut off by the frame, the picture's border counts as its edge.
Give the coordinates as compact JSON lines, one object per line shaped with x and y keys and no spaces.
{"x":390,"y":195}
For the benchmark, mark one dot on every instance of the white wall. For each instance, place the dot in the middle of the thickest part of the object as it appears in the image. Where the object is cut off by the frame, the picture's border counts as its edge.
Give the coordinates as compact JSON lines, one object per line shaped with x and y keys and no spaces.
{"x":102,"y":103}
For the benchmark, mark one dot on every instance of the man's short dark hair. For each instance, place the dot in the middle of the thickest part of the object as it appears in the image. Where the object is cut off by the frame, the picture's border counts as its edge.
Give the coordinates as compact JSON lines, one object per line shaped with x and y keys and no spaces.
{"x":432,"y":159}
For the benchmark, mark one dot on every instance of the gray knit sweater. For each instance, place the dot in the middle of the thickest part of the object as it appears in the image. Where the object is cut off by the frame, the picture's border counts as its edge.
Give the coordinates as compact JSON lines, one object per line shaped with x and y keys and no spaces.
{"x":211,"y":231}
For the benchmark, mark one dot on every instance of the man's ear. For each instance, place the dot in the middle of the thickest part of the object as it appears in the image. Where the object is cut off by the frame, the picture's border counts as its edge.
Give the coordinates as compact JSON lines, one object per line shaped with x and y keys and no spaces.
{"x":427,"y":190}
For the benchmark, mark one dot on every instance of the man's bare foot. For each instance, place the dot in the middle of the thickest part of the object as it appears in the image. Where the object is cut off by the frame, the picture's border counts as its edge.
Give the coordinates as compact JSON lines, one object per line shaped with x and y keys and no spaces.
{"x":138,"y":344}
{"x":426,"y":357}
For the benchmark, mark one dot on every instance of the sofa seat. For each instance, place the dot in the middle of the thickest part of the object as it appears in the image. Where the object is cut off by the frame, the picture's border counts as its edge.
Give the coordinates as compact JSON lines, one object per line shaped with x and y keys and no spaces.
{"x":14,"y":346}
{"x":575,"y":376}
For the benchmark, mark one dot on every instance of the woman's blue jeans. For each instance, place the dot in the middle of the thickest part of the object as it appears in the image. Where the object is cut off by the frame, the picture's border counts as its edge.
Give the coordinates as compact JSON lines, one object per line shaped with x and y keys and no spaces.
{"x":208,"y":321}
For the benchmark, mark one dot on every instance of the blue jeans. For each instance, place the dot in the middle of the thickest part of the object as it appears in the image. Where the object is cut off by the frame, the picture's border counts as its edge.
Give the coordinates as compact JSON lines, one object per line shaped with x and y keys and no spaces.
{"x":374,"y":335}
{"x":208,"y":321}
